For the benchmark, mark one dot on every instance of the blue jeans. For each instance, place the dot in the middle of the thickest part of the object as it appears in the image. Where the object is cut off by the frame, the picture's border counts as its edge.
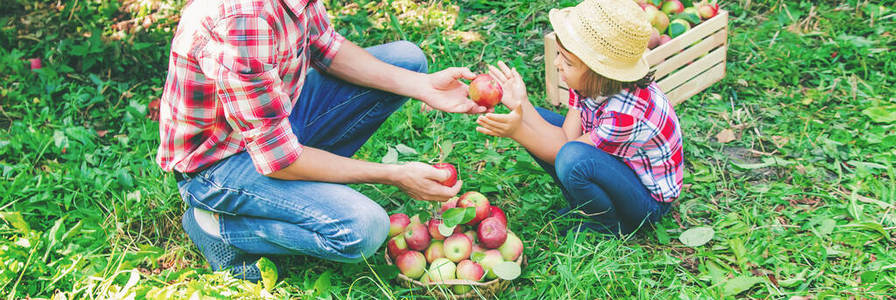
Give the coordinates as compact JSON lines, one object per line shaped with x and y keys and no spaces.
{"x":262,"y":215}
{"x":603,"y":187}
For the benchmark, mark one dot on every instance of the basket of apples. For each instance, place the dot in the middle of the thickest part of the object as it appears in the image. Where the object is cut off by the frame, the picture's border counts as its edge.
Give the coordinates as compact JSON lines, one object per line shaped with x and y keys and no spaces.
{"x":465,"y":250}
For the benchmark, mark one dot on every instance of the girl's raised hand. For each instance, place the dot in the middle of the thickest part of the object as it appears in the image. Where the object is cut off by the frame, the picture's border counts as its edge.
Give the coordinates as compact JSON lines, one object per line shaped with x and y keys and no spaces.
{"x":511,"y":83}
{"x":501,"y":125}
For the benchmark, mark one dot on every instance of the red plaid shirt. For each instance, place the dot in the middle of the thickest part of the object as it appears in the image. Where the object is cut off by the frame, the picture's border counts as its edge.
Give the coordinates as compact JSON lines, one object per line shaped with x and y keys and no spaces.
{"x":640,"y":127}
{"x":236,"y":70}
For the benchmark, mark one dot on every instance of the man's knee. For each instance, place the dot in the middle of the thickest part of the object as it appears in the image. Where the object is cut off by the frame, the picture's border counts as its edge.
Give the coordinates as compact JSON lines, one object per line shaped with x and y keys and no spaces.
{"x":367,"y":229}
{"x":408,"y":55}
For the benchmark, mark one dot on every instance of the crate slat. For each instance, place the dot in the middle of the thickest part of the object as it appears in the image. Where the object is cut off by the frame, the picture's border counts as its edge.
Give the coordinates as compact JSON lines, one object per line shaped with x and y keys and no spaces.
{"x":550,"y":75}
{"x":681,"y":76}
{"x":700,"y":31}
{"x":690,"y":54}
{"x":697,"y":84}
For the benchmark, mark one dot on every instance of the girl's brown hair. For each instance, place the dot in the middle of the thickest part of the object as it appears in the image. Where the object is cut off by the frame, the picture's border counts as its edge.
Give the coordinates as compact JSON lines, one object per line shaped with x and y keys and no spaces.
{"x":597,"y":85}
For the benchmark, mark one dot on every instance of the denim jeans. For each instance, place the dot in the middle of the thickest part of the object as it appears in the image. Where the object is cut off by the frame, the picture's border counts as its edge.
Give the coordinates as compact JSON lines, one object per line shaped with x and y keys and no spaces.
{"x":601,"y":185}
{"x":262,"y":215}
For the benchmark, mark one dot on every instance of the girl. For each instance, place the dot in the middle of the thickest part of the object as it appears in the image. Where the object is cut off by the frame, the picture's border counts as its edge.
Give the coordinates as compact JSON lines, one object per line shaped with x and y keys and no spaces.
{"x":617,"y":155}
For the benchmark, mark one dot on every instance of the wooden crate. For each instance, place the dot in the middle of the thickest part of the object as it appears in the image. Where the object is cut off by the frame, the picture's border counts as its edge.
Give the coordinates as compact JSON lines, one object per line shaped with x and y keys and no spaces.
{"x":684,"y":66}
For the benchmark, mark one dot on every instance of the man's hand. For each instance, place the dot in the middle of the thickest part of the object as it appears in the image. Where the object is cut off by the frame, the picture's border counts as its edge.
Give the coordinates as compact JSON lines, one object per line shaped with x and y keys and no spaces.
{"x":421,"y":182}
{"x":444,"y":91}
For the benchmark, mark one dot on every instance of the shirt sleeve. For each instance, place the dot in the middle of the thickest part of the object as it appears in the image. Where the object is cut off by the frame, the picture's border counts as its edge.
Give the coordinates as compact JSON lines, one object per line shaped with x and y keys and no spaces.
{"x":324,"y":41}
{"x":244,"y":50}
{"x":574,"y":102}
{"x":618,"y":134}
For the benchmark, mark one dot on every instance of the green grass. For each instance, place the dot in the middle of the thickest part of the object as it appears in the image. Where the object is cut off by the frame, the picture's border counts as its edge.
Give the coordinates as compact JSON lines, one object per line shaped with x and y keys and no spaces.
{"x":802,"y":201}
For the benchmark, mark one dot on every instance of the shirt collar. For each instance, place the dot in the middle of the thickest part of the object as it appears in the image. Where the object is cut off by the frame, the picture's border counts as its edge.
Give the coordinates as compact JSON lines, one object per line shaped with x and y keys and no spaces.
{"x":297,"y":6}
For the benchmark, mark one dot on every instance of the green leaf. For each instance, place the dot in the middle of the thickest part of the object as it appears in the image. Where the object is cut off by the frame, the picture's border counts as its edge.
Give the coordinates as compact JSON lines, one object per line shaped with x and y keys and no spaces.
{"x":268,"y":273}
{"x":445,"y":149}
{"x":739,"y":284}
{"x":405,"y":150}
{"x":697,"y":236}
{"x":477,"y":256}
{"x":391,"y":156}
{"x":386,"y":272}
{"x":661,"y":235}
{"x":458,"y":215}
{"x":322,"y":284}
{"x":676,"y":29}
{"x":881,"y":114}
{"x":15,"y":219}
{"x":507,"y":270}
{"x":691,"y":18}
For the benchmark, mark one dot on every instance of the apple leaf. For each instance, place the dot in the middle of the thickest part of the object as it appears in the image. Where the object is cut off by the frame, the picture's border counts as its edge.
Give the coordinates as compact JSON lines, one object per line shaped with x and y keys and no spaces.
{"x":446,"y":230}
{"x":405,"y":150}
{"x":268,"y":273}
{"x":391,"y":156}
{"x":676,"y":29}
{"x":697,"y":236}
{"x":739,"y":284}
{"x":477,"y":256}
{"x":445,"y":149}
{"x":507,"y":270}
{"x":691,"y":18}
{"x":458,"y":215}
{"x":881,"y":114}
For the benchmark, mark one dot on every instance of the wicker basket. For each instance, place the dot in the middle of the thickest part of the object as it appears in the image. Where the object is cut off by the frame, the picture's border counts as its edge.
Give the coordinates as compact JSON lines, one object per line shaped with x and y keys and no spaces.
{"x":443,"y":290}
{"x":684,"y":66}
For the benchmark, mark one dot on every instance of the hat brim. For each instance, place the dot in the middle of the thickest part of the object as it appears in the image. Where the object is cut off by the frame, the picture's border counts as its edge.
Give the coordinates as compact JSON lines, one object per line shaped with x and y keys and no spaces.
{"x":561,"y":21}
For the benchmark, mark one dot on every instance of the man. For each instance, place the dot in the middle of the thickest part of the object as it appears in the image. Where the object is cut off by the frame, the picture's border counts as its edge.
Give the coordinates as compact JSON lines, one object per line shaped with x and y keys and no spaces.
{"x":260,"y":144}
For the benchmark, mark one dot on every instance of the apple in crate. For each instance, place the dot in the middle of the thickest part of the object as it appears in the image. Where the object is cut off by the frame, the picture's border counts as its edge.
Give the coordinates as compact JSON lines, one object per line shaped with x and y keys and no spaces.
{"x":485,"y":91}
{"x":417,"y":236}
{"x":452,"y":173}
{"x":496,"y":212}
{"x":435,"y":251}
{"x":396,"y":246}
{"x":412,"y":264}
{"x":467,"y":270}
{"x":442,"y":269}
{"x":707,"y":10}
{"x":491,"y":258}
{"x":512,"y":247}
{"x":433,"y":226}
{"x":477,"y":200}
{"x":492,"y":233}
{"x":673,"y":7}
{"x":397,"y":223}
{"x":458,"y":247}
{"x":657,"y":19}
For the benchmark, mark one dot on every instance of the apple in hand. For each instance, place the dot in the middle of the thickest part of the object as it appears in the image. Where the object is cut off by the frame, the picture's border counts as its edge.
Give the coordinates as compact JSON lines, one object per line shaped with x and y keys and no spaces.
{"x":512,"y":247}
{"x":477,"y":200}
{"x":396,"y":246}
{"x":397,"y":223}
{"x":492,"y":233}
{"x":490,"y":260}
{"x":485,"y":91}
{"x":442,"y":269}
{"x":412,"y":264}
{"x":458,"y":247}
{"x":434,"y":251}
{"x":452,"y":178}
{"x":417,"y":236}
{"x":496,"y":212}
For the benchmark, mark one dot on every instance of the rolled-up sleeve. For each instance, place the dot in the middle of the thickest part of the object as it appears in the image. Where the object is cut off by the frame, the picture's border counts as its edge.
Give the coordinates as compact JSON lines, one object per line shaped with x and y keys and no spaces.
{"x":324,"y":41}
{"x":245,"y":50}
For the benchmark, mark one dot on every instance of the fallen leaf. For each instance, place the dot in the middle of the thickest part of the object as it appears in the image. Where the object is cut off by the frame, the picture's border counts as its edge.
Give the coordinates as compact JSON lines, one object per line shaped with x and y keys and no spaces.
{"x":725,"y":136}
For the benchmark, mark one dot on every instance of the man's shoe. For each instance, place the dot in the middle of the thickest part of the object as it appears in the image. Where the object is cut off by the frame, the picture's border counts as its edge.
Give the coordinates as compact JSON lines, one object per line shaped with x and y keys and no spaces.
{"x":219,"y":254}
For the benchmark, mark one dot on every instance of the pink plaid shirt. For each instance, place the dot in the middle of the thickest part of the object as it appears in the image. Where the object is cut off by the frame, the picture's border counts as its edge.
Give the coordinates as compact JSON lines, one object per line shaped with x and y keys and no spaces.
{"x":236,"y":70}
{"x":640,"y":127}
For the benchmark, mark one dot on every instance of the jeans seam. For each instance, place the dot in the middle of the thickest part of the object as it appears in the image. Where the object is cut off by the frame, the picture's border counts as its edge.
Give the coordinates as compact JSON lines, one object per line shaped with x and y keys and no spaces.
{"x":354,"y":126}
{"x":344,"y":103}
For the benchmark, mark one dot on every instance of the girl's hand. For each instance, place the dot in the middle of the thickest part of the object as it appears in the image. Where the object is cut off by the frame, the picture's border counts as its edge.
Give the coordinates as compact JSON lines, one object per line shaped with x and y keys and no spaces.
{"x":511,"y":83}
{"x":501,"y":125}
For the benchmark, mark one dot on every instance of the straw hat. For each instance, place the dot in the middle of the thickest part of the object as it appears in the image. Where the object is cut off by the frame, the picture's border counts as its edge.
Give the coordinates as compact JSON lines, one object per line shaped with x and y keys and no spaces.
{"x":610,"y":36}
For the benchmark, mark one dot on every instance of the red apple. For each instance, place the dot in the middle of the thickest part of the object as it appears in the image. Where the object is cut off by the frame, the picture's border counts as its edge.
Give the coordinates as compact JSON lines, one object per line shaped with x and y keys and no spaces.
{"x":492,"y":233}
{"x":435,"y":250}
{"x":35,"y":63}
{"x":665,"y":39}
{"x":498,"y":213}
{"x":396,"y":246}
{"x":434,"y":233}
{"x":397,"y":223}
{"x":707,"y":10}
{"x":477,"y":200}
{"x":477,"y":248}
{"x":490,"y":260}
{"x":452,"y":172}
{"x":657,"y":19}
{"x":485,"y":91}
{"x":512,"y":247}
{"x":458,"y":247}
{"x":417,"y":236}
{"x":412,"y":264}
{"x":672,"y":7}
{"x":459,"y":229}
{"x":469,"y":270}
{"x":451,"y":203}
{"x":654,"y":38}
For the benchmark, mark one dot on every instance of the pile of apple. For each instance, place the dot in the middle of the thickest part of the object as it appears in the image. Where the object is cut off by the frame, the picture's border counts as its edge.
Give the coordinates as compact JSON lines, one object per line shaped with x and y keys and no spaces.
{"x":670,"y":18}
{"x":477,"y":250}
